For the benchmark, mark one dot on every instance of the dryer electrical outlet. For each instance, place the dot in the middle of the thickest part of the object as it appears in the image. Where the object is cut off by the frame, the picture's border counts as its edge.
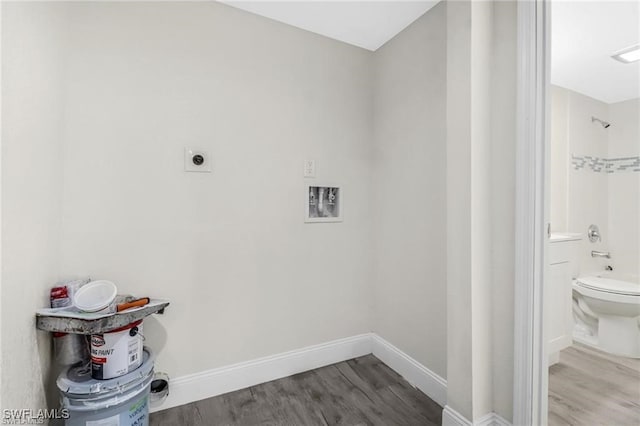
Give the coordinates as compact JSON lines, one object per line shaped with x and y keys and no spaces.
{"x":196,"y":160}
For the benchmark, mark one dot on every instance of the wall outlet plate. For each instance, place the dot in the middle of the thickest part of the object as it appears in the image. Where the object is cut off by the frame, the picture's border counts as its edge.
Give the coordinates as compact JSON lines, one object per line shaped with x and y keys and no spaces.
{"x":310,"y":168}
{"x":196,"y":160}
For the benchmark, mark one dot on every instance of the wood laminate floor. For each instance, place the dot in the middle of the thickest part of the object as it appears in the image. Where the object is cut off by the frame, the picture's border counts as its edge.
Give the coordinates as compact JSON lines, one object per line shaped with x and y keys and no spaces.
{"x":362,"y":391}
{"x":589,"y":387}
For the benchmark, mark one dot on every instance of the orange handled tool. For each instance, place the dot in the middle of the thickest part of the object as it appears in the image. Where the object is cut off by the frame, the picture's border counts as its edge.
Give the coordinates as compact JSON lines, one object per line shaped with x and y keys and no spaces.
{"x":133,"y":304}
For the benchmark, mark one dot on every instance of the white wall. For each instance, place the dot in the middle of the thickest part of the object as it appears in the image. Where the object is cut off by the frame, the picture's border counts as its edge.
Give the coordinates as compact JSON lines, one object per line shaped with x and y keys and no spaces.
{"x":503,"y":159}
{"x":481,"y":97}
{"x":578,"y":197}
{"x":246,"y":277}
{"x":581,"y":197}
{"x":409,"y":190}
{"x":587,"y":191}
{"x":31,"y":194}
{"x":458,"y":179}
{"x":1,"y":156}
{"x":559,"y":159}
{"x":624,"y":187}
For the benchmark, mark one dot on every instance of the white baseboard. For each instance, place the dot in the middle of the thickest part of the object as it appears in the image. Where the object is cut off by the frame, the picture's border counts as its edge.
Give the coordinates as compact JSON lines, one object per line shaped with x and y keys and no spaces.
{"x":451,"y":417}
{"x":431,"y":384}
{"x":195,"y":387}
{"x":492,"y":419}
{"x":218,"y":381}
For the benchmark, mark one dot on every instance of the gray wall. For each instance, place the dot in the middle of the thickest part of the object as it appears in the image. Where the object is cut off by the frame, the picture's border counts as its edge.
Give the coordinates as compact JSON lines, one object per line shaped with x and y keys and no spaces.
{"x":246,"y":276}
{"x":409,"y":190}
{"x":106,"y":194}
{"x":32,"y":38}
{"x":107,"y":95}
{"x":503,"y":195}
{"x":481,"y":135}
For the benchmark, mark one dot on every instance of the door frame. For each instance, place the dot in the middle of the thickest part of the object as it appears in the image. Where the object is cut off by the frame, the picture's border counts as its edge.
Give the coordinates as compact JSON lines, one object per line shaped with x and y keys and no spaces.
{"x":530,"y":391}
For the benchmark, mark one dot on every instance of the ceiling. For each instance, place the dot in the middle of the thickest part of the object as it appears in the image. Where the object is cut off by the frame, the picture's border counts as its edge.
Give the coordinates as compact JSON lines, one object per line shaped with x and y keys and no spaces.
{"x":584,"y":35}
{"x":366,"y":24}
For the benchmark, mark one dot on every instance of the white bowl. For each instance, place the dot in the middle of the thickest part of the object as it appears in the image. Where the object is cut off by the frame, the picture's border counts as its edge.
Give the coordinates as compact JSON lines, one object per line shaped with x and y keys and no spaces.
{"x":96,"y":296}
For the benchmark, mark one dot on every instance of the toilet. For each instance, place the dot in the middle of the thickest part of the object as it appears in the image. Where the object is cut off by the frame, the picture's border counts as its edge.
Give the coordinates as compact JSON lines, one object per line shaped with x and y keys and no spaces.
{"x":607,"y":313}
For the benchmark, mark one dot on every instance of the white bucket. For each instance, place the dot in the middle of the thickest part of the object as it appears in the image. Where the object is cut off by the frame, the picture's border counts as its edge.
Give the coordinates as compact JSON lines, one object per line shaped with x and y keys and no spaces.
{"x":123,"y":401}
{"x":97,"y":296}
{"x":117,"y":352}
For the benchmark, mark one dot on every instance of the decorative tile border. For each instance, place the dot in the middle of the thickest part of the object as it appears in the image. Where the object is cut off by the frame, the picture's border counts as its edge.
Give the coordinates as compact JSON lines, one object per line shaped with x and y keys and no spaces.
{"x":606,"y":165}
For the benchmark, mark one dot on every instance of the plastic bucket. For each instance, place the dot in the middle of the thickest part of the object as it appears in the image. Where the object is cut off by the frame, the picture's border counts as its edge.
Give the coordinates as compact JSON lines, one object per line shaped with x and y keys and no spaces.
{"x":117,"y":352}
{"x":97,"y":296}
{"x":123,"y":401}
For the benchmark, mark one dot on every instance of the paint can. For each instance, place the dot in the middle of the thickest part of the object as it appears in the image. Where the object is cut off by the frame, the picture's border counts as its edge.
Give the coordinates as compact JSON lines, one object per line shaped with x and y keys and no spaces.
{"x":123,"y":401}
{"x":117,"y":352}
{"x":69,"y":349}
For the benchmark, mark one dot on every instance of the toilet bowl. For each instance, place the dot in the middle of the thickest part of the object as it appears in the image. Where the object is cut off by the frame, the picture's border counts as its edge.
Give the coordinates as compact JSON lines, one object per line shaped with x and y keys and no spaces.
{"x":607,"y":313}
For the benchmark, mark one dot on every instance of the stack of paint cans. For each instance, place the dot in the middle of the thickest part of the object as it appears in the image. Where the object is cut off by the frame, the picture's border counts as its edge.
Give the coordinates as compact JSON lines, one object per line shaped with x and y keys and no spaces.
{"x":122,"y":401}
{"x":113,"y":388}
{"x":113,"y":385}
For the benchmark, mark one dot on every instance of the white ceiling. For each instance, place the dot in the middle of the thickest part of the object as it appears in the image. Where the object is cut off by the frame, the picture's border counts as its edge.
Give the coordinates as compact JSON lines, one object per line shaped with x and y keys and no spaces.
{"x":584,"y":35}
{"x":366,"y":24}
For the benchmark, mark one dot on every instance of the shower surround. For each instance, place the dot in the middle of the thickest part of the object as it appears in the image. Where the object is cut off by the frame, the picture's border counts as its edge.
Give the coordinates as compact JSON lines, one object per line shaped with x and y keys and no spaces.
{"x":595,"y":176}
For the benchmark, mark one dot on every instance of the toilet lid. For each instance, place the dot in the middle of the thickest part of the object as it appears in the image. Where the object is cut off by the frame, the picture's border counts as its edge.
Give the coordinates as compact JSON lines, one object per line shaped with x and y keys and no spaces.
{"x":610,"y":286}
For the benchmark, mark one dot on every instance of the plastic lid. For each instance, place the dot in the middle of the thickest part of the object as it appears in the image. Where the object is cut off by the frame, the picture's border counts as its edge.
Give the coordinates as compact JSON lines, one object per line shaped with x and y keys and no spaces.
{"x":77,"y":380}
{"x":95,"y":296}
{"x":610,"y":286}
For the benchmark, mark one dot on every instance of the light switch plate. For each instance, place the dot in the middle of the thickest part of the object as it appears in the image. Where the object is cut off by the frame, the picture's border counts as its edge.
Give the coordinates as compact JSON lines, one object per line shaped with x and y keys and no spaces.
{"x":310,"y":168}
{"x":197,"y":160}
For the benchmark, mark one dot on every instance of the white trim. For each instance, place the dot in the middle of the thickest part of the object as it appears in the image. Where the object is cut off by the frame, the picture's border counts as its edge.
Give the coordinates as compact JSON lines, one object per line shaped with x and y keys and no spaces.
{"x":492,"y":419}
{"x":530,"y":360}
{"x":218,"y":381}
{"x":430,"y":383}
{"x":451,"y":417}
{"x":1,"y":263}
{"x":195,"y":387}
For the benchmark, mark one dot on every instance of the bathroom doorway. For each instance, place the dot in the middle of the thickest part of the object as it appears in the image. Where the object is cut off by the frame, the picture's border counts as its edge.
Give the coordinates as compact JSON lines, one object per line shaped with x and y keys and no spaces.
{"x":591,"y":297}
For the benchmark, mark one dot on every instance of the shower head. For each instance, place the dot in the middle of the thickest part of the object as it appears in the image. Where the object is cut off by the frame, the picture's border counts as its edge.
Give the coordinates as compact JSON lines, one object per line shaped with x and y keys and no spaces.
{"x":604,"y":124}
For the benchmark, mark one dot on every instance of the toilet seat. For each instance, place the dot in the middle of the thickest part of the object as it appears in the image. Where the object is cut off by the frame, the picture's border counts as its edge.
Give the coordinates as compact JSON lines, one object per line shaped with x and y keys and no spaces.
{"x":610,"y":286}
{"x":608,"y":289}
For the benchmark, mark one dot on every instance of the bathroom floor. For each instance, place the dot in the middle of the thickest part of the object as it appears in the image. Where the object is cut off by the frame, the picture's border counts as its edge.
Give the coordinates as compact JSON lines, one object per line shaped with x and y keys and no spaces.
{"x":590,"y":387}
{"x":361,"y":391}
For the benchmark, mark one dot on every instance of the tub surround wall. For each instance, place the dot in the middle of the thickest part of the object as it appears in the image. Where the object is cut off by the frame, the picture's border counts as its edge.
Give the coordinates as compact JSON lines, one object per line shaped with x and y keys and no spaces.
{"x":624,"y":187}
{"x":587,"y":199}
{"x":578,"y":197}
{"x":559,"y":159}
{"x":595,"y":175}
